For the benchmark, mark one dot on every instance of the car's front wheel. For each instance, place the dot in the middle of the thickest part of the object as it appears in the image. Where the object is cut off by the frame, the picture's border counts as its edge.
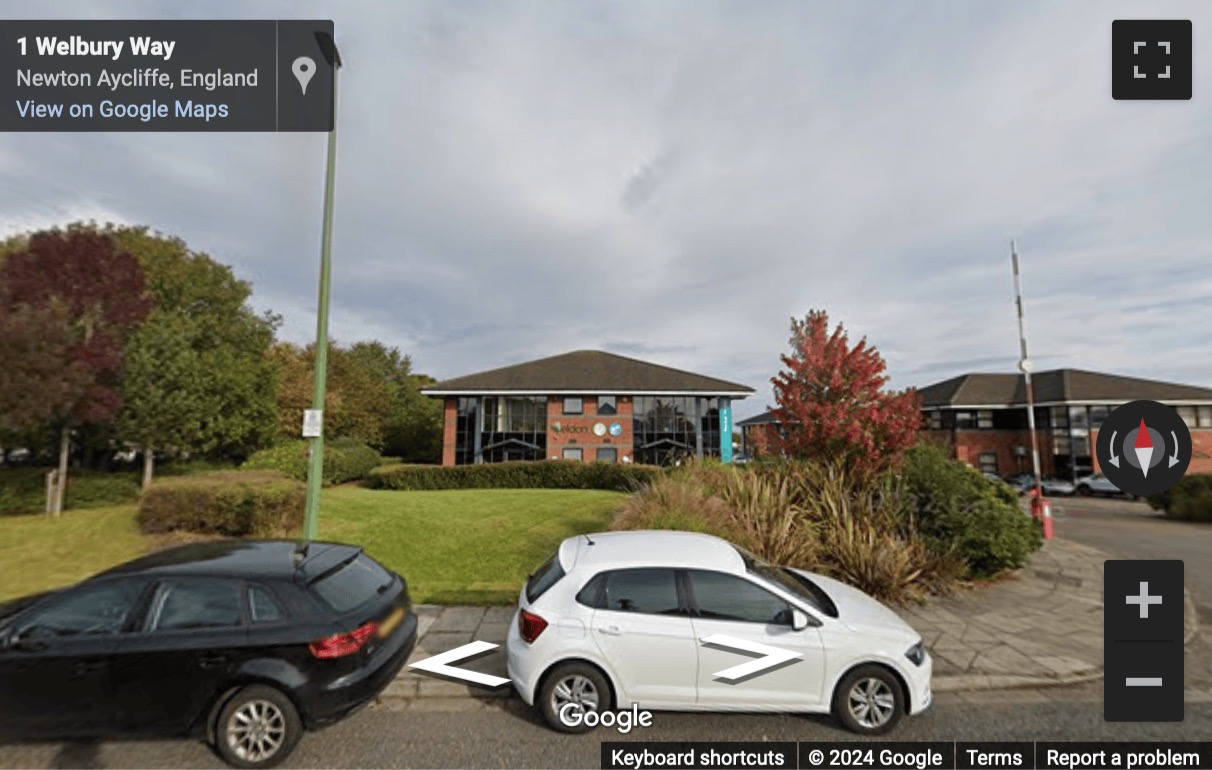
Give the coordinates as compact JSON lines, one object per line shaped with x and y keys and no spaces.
{"x":570,"y":692}
{"x":1084,"y":490}
{"x":869,"y":700}
{"x":257,"y":728}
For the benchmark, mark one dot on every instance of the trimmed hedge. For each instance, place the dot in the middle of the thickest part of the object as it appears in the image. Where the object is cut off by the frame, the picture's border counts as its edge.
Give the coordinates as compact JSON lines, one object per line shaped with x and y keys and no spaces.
{"x":543,"y":474}
{"x":23,"y":490}
{"x":960,"y":512}
{"x":345,"y":459}
{"x":1188,"y":500}
{"x":231,"y":503}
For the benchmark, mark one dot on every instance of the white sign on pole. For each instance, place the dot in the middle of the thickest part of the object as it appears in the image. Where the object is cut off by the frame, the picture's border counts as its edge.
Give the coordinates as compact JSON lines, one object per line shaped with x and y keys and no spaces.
{"x":313,"y":422}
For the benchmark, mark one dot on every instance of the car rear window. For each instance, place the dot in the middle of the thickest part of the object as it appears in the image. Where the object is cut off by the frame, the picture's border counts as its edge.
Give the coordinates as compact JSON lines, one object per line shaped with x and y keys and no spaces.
{"x":544,"y":578}
{"x":352,"y":584}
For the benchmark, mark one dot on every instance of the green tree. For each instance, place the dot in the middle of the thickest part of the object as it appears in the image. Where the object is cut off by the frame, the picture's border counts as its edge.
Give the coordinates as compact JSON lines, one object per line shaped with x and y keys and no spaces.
{"x":414,"y":425}
{"x":357,"y":400}
{"x":214,"y":347}
{"x":165,"y":395}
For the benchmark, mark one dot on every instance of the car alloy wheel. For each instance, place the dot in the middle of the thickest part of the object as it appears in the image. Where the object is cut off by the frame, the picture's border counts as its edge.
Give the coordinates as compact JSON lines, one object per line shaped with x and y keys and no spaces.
{"x":575,"y":689}
{"x":258,"y":727}
{"x":577,"y":686}
{"x":256,"y":731}
{"x":871,"y":702}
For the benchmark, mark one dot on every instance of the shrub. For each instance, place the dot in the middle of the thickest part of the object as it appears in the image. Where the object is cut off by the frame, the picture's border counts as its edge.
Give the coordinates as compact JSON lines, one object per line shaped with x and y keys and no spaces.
{"x":231,"y":503}
{"x":345,"y":459}
{"x":804,"y":515}
{"x":1189,"y":500}
{"x":190,"y":467}
{"x":961,"y":512}
{"x":546,"y":474}
{"x":23,"y":490}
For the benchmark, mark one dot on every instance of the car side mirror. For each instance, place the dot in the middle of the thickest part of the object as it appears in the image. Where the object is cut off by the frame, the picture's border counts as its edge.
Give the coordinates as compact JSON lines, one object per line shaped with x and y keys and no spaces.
{"x":799,"y":620}
{"x":30,"y":639}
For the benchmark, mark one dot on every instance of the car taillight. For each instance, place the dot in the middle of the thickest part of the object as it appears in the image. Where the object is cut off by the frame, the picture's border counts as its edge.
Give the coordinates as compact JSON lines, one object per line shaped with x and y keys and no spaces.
{"x":530,"y":625}
{"x":340,"y":645}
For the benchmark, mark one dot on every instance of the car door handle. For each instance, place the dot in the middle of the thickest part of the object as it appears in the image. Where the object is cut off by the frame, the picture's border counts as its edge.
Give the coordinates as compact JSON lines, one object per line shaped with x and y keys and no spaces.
{"x":610,"y":630}
{"x":83,"y":668}
{"x":212,"y":661}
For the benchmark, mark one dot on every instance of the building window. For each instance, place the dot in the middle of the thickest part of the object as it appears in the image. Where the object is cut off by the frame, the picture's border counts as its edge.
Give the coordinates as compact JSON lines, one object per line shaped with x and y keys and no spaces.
{"x":606,"y":405}
{"x":665,"y":430}
{"x":571,"y":453}
{"x":989,"y":462}
{"x":1060,"y":442}
{"x":608,"y":455}
{"x":1204,"y":417}
{"x":1188,"y":415}
{"x":1097,"y":415}
{"x":573,"y":405}
{"x":984,"y":418}
{"x":964,"y":420}
{"x":936,"y":420}
{"x":1078,"y":419}
{"x":1059,"y":417}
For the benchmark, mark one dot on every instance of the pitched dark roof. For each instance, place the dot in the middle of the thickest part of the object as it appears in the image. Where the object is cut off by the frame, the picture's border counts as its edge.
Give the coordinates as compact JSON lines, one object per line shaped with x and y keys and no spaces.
{"x":588,"y":371}
{"x":1057,"y":385}
{"x":765,"y":418}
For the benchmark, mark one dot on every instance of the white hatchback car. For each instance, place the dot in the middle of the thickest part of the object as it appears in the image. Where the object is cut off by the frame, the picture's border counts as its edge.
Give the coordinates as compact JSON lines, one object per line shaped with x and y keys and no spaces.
{"x":616,"y":620}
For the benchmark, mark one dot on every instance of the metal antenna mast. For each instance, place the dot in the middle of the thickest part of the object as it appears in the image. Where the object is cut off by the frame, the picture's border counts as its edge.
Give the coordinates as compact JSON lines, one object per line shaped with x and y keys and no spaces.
{"x":1024,"y":364}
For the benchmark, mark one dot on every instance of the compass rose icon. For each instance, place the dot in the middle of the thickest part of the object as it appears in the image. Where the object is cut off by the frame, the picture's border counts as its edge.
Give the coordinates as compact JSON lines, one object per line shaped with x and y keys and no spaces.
{"x":1144,"y":447}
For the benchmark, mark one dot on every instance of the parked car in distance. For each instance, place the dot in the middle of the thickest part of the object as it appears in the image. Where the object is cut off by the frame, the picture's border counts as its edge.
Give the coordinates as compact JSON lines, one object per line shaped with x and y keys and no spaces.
{"x":741,"y":458}
{"x":1025,"y":482}
{"x":244,"y":643}
{"x":1097,"y":484}
{"x":617,"y":620}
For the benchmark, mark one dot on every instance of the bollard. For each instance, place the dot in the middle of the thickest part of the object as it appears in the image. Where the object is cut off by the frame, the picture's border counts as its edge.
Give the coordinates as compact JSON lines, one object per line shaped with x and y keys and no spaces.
{"x":1046,"y":506}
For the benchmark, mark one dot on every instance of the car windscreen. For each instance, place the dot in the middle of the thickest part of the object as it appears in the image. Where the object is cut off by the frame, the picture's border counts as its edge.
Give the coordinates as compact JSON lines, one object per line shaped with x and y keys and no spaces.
{"x":793,"y":583}
{"x":544,"y":578}
{"x":353,"y":583}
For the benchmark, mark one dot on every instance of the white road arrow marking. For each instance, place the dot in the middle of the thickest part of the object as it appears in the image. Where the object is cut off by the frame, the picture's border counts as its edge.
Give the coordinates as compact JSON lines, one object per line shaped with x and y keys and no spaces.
{"x":1174,"y":458}
{"x":1114,"y":457}
{"x":773,"y":656}
{"x":440,"y":664}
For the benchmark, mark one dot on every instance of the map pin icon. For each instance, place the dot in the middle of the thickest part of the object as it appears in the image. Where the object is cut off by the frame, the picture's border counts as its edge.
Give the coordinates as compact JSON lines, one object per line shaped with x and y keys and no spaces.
{"x":304,"y":68}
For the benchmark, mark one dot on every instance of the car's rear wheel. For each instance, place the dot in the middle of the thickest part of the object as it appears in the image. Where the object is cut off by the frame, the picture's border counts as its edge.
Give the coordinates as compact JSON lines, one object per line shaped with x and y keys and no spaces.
{"x":869,"y":700}
{"x":570,"y":692}
{"x":258,"y":727}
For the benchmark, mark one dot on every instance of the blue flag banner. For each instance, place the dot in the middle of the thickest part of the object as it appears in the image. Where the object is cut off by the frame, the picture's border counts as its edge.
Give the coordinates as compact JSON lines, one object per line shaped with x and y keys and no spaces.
{"x":726,"y":434}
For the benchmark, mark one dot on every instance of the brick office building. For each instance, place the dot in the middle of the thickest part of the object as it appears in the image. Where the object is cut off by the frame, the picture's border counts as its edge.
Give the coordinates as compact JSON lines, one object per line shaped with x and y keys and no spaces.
{"x":982,"y":418}
{"x":585,"y":405}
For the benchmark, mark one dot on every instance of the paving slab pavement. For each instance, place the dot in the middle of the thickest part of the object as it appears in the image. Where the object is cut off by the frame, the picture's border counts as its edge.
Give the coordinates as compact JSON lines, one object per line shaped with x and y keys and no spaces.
{"x":1039,"y":626}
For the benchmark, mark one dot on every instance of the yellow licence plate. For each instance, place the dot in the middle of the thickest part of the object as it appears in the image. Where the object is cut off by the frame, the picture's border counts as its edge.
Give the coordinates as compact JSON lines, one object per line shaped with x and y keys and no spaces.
{"x":392,"y":622}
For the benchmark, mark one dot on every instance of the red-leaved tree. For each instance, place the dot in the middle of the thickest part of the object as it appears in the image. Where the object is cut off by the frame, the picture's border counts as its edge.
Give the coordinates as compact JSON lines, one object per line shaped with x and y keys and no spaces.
{"x":68,"y":301}
{"x":832,"y":405}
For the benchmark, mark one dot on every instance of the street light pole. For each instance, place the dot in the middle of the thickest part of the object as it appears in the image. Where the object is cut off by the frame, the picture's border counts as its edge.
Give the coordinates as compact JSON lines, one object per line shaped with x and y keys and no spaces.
{"x":315,"y":465}
{"x":1024,"y":363}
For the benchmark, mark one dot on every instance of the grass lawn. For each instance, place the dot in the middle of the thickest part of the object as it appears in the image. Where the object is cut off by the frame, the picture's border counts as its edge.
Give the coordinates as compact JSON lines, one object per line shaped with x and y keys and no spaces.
{"x":454,"y":547}
{"x":40,"y":552}
{"x":463,"y":546}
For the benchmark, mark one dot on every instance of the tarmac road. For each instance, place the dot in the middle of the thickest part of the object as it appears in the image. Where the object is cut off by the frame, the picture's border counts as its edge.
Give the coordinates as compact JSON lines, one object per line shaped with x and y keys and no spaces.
{"x":1132,"y":530}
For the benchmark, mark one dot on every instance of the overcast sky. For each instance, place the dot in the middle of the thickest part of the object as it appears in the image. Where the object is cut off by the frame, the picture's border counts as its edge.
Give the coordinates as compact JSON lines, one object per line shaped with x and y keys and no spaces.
{"x":674,"y":180}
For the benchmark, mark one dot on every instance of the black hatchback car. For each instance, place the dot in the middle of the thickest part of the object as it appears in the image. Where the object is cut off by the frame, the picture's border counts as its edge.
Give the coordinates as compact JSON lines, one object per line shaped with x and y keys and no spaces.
{"x":243,"y":643}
